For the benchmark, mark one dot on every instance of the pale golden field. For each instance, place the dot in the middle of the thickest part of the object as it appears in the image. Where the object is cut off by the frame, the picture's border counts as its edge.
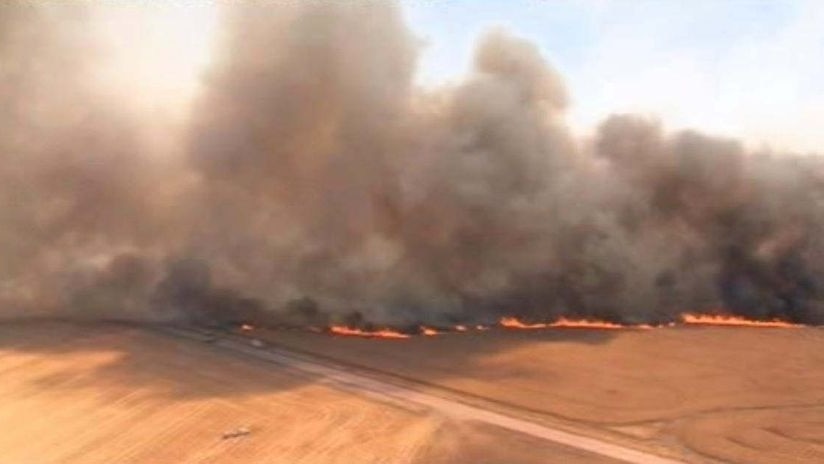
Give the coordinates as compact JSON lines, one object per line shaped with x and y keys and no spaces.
{"x":724,"y":394}
{"x":117,"y":394}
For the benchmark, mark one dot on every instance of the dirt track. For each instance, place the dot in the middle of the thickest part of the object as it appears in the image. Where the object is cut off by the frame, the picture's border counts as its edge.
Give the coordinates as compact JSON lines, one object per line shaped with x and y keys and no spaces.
{"x":358,"y":382}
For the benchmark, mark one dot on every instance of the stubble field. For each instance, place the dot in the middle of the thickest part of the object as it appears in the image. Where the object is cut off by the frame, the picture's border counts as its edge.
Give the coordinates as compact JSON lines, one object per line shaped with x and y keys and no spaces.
{"x":115,"y":394}
{"x":748,"y":395}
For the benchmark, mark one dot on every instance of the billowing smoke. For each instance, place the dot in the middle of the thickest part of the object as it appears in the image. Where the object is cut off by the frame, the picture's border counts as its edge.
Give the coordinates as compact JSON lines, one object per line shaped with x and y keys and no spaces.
{"x":319,"y":184}
{"x":81,"y":209}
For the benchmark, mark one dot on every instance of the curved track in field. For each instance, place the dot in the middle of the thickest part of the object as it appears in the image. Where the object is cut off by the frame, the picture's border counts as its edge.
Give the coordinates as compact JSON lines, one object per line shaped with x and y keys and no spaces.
{"x":353,"y":381}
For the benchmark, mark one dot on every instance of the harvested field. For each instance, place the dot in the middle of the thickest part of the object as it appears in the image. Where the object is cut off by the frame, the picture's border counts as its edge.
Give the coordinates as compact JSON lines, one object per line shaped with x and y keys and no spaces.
{"x":736,"y":395}
{"x":115,"y":394}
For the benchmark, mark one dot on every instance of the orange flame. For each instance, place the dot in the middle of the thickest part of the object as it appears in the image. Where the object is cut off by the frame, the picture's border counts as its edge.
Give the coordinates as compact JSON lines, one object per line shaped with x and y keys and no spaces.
{"x":381,"y":333}
{"x":515,"y":323}
{"x":734,"y":321}
{"x":562,"y":323}
{"x":585,"y":324}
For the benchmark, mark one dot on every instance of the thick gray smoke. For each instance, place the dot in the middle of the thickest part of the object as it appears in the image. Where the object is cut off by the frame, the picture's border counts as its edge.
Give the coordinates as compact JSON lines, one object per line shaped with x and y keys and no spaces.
{"x":80,"y":207}
{"x":320,"y":185}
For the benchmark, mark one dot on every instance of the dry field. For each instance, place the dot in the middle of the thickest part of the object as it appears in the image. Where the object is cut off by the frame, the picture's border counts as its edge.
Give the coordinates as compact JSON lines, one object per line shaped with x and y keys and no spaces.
{"x":115,"y":394}
{"x":711,"y":394}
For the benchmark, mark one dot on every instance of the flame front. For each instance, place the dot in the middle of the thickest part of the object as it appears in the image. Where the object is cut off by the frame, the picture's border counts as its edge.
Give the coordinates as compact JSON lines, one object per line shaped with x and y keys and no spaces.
{"x":562,"y":323}
{"x":587,"y":324}
{"x":355,"y":332}
{"x":515,"y":323}
{"x":733,"y":321}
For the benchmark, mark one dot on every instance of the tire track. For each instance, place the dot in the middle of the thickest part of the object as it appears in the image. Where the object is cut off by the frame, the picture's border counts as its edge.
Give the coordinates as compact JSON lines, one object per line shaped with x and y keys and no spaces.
{"x":349,"y":380}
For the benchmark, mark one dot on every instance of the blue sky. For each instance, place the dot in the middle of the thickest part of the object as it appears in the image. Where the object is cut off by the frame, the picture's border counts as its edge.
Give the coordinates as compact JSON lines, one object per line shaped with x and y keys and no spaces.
{"x":753,"y":69}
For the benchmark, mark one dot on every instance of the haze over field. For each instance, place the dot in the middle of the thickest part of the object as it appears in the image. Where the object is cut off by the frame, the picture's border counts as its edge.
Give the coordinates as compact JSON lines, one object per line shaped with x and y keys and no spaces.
{"x":309,"y":179}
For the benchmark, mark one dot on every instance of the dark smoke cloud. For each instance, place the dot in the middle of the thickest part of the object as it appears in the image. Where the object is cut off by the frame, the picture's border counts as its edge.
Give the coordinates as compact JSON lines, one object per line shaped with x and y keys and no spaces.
{"x":76,"y":187}
{"x":321,"y":185}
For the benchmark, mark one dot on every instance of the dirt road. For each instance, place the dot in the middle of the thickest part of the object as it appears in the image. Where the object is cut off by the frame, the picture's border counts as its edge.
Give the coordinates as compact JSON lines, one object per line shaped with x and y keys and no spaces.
{"x":352,"y":381}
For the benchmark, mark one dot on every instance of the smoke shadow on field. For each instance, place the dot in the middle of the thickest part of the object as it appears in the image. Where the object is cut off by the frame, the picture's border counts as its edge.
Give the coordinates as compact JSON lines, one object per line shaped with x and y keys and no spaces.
{"x":113,"y":357}
{"x":431,"y":359}
{"x":102,"y":357}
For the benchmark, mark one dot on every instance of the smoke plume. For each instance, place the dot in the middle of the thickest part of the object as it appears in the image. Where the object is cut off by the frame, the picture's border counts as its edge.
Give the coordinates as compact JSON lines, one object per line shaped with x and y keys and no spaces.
{"x":318,"y":184}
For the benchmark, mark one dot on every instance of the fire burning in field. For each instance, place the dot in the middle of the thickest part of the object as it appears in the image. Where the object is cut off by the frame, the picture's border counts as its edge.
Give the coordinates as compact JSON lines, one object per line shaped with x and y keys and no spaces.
{"x":565,"y":323}
{"x":275,"y":204}
{"x":514,"y":323}
{"x":381,"y":333}
{"x":733,"y":321}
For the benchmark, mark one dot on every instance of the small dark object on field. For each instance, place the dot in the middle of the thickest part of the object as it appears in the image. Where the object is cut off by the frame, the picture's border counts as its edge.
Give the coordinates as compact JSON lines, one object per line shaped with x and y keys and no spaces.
{"x":239,"y":432}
